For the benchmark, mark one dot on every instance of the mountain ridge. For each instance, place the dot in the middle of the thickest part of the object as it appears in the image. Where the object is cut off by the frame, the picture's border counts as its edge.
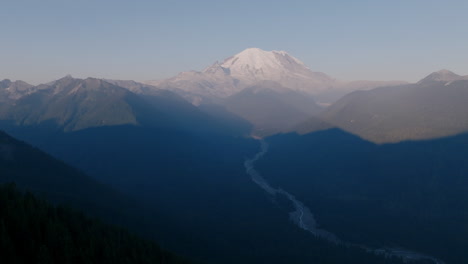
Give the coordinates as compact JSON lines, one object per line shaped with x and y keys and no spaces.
{"x":74,"y":104}
{"x":443,"y":75}
{"x":436,"y":106}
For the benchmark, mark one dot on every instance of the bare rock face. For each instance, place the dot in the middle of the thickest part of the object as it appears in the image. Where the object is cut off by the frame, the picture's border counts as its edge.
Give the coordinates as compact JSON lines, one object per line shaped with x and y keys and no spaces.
{"x":13,"y":90}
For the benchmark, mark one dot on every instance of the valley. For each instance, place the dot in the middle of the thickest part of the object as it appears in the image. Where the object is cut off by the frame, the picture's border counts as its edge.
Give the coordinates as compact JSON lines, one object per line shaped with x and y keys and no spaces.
{"x":233,"y":132}
{"x":304,"y":218}
{"x":257,"y":159}
{"x":301,"y":215}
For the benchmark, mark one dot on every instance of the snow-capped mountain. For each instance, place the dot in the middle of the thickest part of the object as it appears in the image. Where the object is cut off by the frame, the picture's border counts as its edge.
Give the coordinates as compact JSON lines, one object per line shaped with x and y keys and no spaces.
{"x":251,"y":67}
{"x":245,"y":69}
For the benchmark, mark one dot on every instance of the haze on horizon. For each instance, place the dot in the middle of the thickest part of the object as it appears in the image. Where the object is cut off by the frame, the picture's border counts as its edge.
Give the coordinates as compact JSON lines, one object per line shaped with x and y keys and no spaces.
{"x":144,"y":40}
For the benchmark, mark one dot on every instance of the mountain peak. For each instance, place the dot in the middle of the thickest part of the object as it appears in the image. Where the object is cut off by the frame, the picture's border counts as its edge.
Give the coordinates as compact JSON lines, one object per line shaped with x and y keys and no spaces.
{"x":444,"y":71}
{"x":66,"y":77}
{"x":14,"y":90}
{"x":5,"y":83}
{"x":254,"y":64}
{"x":443,"y":75}
{"x":253,"y":49}
{"x":16,"y":85}
{"x":259,"y":52}
{"x":260,"y":61}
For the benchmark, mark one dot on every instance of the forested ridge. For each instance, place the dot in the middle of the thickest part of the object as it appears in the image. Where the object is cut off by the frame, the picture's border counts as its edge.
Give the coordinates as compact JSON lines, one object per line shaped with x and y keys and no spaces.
{"x":33,"y":231}
{"x":239,"y":226}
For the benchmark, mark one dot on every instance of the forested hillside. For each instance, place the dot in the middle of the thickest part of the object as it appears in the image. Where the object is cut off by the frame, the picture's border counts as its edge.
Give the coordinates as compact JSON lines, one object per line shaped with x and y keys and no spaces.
{"x":411,"y":195}
{"x":33,"y":231}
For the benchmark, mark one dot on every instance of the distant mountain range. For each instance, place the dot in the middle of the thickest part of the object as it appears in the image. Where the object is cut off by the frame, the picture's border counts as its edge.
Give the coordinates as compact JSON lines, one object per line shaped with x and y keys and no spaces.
{"x":436,"y":106}
{"x":72,"y":104}
{"x":254,"y":92}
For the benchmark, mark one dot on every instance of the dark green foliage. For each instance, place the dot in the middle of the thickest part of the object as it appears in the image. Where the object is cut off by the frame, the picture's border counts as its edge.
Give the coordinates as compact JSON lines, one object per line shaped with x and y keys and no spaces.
{"x":34,"y":170}
{"x":208,"y":208}
{"x":32,"y":231}
{"x":412,"y":195}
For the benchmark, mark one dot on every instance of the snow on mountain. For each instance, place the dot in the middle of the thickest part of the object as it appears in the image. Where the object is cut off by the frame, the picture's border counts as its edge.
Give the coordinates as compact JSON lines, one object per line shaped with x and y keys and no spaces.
{"x":245,"y":69}
{"x":256,"y":64}
{"x":250,"y":67}
{"x":253,"y":65}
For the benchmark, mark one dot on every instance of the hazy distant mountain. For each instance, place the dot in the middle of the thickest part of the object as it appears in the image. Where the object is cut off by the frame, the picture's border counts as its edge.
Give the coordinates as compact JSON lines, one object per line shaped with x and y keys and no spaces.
{"x":246,"y":69}
{"x":133,"y":86}
{"x":231,"y":121}
{"x":312,"y":124}
{"x":74,"y":104}
{"x":252,"y":66}
{"x":436,"y":106}
{"x":271,"y":108}
{"x":272,"y":90}
{"x":442,"y":76}
{"x":343,"y":88}
{"x":13,"y":90}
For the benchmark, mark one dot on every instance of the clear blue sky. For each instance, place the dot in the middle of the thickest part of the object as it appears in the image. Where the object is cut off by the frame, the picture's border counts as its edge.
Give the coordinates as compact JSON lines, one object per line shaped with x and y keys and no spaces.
{"x":377,"y":40}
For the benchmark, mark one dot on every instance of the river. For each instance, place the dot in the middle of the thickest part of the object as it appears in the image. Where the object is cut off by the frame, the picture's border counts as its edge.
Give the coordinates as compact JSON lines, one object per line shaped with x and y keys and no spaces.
{"x":304,"y":219}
